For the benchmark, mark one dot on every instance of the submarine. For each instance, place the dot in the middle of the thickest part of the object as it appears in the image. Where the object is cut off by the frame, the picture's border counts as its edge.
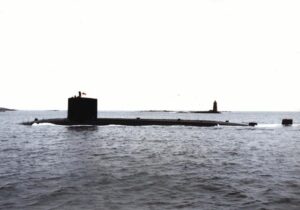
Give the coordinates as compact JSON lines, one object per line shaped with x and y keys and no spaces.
{"x":84,"y":111}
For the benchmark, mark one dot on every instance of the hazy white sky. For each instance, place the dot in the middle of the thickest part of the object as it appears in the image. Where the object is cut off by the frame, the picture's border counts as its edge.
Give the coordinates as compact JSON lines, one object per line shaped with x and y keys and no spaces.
{"x":151,"y":54}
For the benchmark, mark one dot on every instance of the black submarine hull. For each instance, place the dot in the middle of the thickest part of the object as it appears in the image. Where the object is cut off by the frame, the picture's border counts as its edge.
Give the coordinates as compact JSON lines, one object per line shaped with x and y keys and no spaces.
{"x":136,"y":122}
{"x":83,"y":111}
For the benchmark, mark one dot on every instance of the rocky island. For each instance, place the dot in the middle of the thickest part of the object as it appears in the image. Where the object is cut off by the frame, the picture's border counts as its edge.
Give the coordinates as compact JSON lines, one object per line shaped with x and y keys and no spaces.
{"x":212,"y":111}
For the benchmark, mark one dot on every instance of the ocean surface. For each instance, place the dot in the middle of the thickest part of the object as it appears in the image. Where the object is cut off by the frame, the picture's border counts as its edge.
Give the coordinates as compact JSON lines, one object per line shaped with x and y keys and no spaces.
{"x":150,"y":167}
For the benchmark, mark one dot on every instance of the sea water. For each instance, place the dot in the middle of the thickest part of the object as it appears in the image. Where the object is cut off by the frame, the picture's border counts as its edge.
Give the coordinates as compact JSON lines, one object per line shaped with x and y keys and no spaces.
{"x":150,"y":167}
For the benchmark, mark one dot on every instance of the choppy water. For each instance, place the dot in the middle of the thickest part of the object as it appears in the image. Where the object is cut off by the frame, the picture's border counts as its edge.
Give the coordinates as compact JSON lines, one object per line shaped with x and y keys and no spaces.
{"x":150,"y":167}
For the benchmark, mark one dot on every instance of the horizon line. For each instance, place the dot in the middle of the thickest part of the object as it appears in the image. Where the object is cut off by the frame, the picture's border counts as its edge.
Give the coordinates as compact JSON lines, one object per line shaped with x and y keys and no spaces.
{"x":159,"y":110}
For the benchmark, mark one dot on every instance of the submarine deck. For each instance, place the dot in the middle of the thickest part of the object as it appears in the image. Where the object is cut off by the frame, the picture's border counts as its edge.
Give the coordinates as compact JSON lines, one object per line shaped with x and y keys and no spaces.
{"x":137,"y":122}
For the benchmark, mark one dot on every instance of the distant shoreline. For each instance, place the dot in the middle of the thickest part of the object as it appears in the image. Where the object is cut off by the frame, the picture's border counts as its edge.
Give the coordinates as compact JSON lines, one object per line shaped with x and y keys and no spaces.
{"x":6,"y":109}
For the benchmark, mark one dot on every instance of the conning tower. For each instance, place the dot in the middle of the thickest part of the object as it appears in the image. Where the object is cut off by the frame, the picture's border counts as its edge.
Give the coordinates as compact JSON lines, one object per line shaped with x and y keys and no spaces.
{"x":81,"y":109}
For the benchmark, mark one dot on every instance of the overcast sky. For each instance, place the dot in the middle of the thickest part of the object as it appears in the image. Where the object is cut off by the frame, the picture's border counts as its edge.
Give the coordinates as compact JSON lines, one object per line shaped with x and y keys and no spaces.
{"x":134,"y":55}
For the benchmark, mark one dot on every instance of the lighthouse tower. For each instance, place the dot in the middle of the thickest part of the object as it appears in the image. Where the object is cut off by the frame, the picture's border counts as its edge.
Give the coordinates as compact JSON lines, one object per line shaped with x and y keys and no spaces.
{"x":215,"y":107}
